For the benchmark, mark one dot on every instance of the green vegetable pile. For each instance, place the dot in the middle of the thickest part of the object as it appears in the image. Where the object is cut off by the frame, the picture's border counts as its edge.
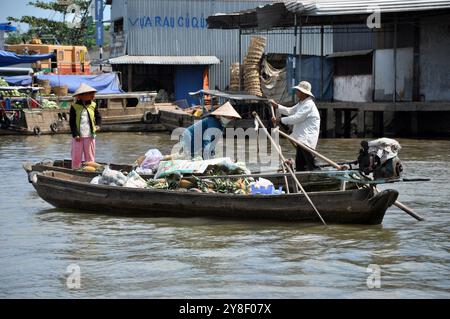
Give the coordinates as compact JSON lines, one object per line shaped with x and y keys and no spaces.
{"x":202,"y":185}
{"x":46,"y":104}
{"x":10,"y":93}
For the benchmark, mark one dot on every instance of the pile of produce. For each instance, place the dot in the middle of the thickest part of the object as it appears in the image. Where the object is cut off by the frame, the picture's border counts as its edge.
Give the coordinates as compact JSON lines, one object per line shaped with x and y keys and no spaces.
{"x":202,"y":185}
{"x":92,"y":167}
{"x":174,"y":182}
{"x":10,"y":93}
{"x":51,"y":105}
{"x":215,"y":178}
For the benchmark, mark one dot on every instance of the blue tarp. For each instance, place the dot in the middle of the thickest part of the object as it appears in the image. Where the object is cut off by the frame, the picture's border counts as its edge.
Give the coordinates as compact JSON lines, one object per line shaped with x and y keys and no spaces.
{"x":9,"y":58}
{"x":311,"y":67}
{"x":107,"y":83}
{"x":7,"y":27}
{"x":18,"y":80}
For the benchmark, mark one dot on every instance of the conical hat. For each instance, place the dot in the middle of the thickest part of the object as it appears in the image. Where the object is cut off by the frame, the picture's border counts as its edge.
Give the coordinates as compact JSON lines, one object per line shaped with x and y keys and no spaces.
{"x":84,"y":88}
{"x":227,"y":110}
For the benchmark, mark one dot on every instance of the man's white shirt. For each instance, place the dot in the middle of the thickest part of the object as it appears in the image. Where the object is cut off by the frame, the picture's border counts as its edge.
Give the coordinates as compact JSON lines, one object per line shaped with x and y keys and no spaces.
{"x":305,"y":118}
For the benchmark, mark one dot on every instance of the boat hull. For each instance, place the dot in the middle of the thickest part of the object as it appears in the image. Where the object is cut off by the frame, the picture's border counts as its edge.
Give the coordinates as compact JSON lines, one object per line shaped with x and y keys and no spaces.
{"x":360,"y":206}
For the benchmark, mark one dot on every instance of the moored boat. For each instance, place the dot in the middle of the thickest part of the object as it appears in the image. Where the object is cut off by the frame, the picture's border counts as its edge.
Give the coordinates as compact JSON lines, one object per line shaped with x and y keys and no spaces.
{"x":121,"y":112}
{"x":69,"y":191}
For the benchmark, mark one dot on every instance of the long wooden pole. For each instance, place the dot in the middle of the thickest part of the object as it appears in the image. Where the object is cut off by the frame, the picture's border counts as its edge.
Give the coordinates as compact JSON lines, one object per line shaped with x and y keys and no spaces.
{"x":405,"y":208}
{"x":309,"y":149}
{"x":402,"y":206}
{"x":282,"y":166}
{"x":287,"y":166}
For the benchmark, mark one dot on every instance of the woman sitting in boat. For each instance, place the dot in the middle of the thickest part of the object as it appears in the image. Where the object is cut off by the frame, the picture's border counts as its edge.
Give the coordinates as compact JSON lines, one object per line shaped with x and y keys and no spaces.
{"x":205,"y":130}
{"x":85,"y":121}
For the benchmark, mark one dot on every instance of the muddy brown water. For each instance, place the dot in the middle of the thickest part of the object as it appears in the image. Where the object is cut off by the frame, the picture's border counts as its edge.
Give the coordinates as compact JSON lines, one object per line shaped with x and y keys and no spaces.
{"x":210,"y":258}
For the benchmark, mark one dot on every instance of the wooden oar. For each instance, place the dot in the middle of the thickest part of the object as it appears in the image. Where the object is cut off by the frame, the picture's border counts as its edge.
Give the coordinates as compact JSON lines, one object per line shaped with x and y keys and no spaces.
{"x":403,"y":207}
{"x":309,"y":149}
{"x":282,"y":166}
{"x":287,"y":166}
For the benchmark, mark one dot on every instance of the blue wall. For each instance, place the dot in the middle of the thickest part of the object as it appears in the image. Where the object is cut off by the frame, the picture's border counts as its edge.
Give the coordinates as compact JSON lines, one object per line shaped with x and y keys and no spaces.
{"x":311,"y":67}
{"x":188,"y":79}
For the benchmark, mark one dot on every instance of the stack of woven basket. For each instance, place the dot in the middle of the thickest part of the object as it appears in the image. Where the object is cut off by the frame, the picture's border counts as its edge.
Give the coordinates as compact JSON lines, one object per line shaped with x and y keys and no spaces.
{"x":60,"y":90}
{"x":235,"y":74}
{"x":255,"y":52}
{"x":46,"y":88}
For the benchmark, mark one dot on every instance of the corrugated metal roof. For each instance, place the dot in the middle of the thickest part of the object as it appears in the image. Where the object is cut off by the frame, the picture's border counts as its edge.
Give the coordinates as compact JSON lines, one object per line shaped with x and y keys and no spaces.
{"x":165,"y":60}
{"x":321,"y":12}
{"x":337,"y":7}
{"x":349,"y":53}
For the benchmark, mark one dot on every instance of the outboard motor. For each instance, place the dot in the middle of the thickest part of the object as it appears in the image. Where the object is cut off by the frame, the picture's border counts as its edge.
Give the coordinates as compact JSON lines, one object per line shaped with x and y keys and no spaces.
{"x":380,"y":158}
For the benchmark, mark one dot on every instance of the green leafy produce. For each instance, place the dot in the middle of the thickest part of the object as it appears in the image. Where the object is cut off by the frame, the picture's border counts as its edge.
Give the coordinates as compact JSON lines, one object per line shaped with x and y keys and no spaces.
{"x":46,"y":104}
{"x":157,"y":184}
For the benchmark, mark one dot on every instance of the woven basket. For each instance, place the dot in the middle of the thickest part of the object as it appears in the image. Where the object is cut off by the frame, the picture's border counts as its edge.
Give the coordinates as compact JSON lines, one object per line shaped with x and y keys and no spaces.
{"x":43,"y":82}
{"x":61,"y":90}
{"x":46,"y":89}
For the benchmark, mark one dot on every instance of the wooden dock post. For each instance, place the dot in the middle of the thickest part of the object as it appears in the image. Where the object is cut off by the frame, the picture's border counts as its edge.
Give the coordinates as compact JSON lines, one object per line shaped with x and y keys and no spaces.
{"x":361,"y":123}
{"x":338,"y":123}
{"x":330,"y":125}
{"x":414,"y":124}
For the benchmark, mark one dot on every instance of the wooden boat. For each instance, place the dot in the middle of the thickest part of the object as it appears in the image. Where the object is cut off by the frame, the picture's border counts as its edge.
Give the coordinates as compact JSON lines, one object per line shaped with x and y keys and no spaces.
{"x":134,"y":111}
{"x":311,"y":181}
{"x":243,"y":103}
{"x":70,"y":191}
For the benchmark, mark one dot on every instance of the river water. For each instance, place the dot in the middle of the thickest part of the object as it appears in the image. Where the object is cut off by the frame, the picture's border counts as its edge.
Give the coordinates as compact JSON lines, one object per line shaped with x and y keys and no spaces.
{"x":208,"y":258}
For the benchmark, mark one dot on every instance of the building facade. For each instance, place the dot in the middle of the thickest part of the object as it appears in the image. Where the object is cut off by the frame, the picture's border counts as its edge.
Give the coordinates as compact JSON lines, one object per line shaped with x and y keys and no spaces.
{"x":167,"y":44}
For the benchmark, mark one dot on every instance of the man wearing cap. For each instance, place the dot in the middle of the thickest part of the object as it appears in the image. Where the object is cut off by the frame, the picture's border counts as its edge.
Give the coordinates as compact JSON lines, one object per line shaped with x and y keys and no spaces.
{"x":85,"y":121}
{"x":218,"y":120}
{"x":305,"y":118}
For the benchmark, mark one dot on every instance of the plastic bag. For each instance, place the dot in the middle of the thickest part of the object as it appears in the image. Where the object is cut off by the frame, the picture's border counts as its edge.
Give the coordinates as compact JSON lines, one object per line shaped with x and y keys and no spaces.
{"x":264,"y":186}
{"x":152,"y":159}
{"x":144,"y":171}
{"x":135,"y":181}
{"x":261,"y":182}
{"x":384,"y":148}
{"x":110,"y":176}
{"x":96,"y":180}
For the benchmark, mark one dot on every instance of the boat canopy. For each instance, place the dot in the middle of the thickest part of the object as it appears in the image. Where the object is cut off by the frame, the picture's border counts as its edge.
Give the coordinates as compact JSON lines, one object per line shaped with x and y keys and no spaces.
{"x":10,"y":58}
{"x":107,"y":83}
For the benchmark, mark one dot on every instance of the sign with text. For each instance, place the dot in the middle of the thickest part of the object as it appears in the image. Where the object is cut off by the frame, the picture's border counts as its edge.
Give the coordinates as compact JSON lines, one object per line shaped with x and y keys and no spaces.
{"x":99,"y":22}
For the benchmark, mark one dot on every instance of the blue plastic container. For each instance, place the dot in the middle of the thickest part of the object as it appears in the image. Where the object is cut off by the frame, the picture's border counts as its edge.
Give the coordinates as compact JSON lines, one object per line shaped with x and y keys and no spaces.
{"x":7,"y":104}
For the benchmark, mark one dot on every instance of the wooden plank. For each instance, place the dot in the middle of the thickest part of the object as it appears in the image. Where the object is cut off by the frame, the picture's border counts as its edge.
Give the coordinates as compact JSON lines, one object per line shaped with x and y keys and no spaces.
{"x":387,"y":106}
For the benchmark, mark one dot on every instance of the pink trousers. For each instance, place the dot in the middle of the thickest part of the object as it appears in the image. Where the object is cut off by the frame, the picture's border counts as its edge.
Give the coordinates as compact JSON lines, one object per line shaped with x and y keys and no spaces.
{"x":86,"y":147}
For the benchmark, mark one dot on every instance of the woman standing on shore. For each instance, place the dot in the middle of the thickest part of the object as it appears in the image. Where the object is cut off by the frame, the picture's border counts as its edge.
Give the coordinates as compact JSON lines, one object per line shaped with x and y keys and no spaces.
{"x":85,"y":121}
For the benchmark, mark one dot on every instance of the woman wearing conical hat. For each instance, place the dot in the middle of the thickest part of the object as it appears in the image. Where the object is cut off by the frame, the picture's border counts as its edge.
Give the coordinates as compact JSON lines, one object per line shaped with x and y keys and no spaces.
{"x":85,"y":121}
{"x":218,"y":119}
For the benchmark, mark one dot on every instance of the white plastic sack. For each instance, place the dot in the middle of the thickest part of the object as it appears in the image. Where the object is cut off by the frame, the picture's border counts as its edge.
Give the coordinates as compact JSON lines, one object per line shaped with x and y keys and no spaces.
{"x":152,"y":159}
{"x":110,"y":177}
{"x":135,"y":181}
{"x":96,"y":180}
{"x":261,"y":182}
{"x":385,"y":148}
{"x":144,"y":171}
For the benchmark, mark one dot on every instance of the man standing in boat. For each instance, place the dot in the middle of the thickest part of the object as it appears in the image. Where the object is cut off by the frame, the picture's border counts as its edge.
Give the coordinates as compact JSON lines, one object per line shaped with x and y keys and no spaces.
{"x":305,"y":118}
{"x":85,"y":121}
{"x":218,"y":120}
